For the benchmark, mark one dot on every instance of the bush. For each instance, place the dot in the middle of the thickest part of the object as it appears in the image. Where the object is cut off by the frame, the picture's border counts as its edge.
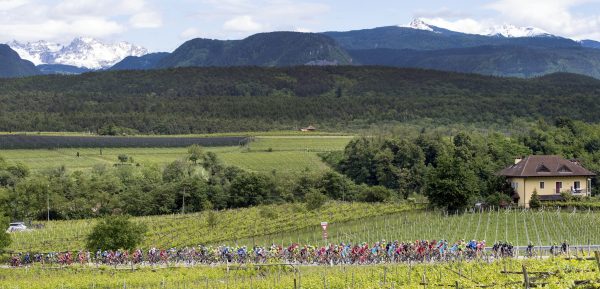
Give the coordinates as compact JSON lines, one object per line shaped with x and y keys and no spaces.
{"x":567,"y":196}
{"x":4,"y":237}
{"x":123,"y":158}
{"x":498,"y":200}
{"x":315,"y":199}
{"x":376,"y":194}
{"x":114,"y":233}
{"x":535,"y":201}
{"x":211,"y":219}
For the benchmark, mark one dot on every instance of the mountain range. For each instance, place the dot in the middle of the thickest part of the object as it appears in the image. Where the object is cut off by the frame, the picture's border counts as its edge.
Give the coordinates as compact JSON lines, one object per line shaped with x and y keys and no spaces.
{"x":504,"y":50}
{"x":82,"y":52}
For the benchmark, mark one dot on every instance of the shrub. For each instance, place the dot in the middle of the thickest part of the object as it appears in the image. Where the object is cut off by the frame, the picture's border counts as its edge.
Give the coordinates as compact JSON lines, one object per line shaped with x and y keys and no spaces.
{"x":123,"y":158}
{"x":498,"y":200}
{"x":315,"y":199}
{"x":114,"y":233}
{"x":4,"y":237}
{"x":567,"y":196}
{"x":211,"y":219}
{"x":535,"y":201}
{"x":374,"y":194}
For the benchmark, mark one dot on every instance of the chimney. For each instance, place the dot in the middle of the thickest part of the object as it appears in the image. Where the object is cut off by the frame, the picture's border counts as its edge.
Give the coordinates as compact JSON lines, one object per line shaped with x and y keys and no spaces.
{"x":518,"y":160}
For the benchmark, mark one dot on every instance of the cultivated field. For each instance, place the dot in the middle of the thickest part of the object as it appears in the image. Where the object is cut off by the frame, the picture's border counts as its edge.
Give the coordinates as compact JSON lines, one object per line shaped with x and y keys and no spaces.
{"x":194,"y":229}
{"x":56,"y":142}
{"x":549,"y":273}
{"x":349,"y":222}
{"x":540,"y":228}
{"x":280,"y":154}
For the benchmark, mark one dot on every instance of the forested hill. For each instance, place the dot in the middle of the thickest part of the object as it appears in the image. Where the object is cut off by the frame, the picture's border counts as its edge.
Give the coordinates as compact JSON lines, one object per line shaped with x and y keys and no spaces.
{"x":193,"y":100}
{"x":11,"y":65}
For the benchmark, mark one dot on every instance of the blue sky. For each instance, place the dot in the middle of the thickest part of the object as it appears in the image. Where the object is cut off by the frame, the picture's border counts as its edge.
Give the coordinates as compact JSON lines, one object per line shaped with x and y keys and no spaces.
{"x":164,"y":25}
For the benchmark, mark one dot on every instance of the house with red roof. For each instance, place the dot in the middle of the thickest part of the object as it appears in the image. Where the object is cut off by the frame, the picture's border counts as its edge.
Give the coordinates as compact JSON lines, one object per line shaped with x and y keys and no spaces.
{"x":549,"y":176}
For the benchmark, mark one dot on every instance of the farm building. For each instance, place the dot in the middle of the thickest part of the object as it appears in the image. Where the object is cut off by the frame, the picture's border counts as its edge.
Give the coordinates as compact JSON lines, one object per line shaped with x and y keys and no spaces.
{"x":308,"y":128}
{"x":549,"y":176}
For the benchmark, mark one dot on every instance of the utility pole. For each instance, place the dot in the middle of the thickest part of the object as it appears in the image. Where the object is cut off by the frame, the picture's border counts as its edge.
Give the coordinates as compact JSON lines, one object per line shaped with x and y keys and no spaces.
{"x":183,"y":205}
{"x":48,"y":202}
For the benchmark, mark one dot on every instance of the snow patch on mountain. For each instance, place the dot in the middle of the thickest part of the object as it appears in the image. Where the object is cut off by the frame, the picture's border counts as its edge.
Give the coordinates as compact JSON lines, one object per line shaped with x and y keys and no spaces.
{"x":506,"y":30}
{"x":419,"y":24}
{"x":81,"y":52}
{"x":510,"y":31}
{"x":38,"y":52}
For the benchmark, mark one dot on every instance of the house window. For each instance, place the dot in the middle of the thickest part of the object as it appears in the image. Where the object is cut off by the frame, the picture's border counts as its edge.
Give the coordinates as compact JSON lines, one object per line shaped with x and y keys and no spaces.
{"x":577,"y":185}
{"x":589,"y":185}
{"x":564,"y":169}
{"x":558,"y":187}
{"x":541,"y":185}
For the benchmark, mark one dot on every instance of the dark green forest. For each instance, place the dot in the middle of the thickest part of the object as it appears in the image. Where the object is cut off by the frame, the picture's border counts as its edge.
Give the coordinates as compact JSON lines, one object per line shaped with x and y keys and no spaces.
{"x":201,"y":100}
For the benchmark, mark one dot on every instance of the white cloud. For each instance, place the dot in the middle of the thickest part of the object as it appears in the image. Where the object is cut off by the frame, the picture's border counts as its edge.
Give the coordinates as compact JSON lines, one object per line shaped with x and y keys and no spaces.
{"x":190,"y":33}
{"x":244,"y":23}
{"x":148,"y":19}
{"x":31,"y":20}
{"x":11,"y":4}
{"x":466,"y":25}
{"x":243,"y":17}
{"x":303,"y":30}
{"x":555,"y":16}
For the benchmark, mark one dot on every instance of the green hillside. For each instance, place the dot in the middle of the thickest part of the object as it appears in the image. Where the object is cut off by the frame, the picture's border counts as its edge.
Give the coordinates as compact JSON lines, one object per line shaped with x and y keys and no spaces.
{"x":515,"y":61}
{"x":201,"y":100}
{"x":264,"y":49}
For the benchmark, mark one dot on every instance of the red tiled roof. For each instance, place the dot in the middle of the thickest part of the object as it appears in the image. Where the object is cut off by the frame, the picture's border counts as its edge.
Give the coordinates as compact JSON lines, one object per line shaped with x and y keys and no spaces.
{"x":545,"y":166}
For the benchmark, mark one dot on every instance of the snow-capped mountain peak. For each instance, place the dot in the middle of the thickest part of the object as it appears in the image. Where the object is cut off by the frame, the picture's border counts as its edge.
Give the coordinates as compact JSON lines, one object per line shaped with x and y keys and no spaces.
{"x":508,"y":30}
{"x":81,"y":52}
{"x":37,"y":52}
{"x":419,"y":24}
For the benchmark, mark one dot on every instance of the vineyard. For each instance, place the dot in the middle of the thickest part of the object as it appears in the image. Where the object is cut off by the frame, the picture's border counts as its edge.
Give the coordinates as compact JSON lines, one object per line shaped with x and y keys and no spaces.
{"x":56,"y":142}
{"x":349,"y":222}
{"x":194,"y":229}
{"x":282,"y":154}
{"x":506,"y":273}
{"x":519,"y":227}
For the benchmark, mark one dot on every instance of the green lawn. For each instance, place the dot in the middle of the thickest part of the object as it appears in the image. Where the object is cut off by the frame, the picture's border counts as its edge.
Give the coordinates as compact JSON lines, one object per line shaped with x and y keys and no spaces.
{"x":282,"y":154}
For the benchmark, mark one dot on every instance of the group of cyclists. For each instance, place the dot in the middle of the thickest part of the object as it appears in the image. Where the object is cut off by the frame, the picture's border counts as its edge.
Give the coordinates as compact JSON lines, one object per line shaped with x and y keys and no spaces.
{"x":344,"y":253}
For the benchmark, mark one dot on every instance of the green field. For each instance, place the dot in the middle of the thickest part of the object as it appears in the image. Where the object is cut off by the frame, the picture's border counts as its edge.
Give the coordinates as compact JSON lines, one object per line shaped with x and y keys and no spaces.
{"x":559,"y":273}
{"x":267,"y":154}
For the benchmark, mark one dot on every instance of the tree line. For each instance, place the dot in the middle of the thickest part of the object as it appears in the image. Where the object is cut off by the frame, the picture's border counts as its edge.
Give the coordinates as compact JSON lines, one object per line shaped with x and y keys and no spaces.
{"x":456,"y":171}
{"x":199,"y":182}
